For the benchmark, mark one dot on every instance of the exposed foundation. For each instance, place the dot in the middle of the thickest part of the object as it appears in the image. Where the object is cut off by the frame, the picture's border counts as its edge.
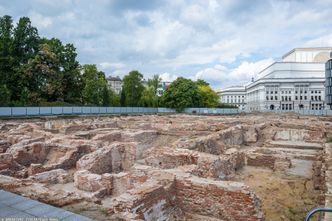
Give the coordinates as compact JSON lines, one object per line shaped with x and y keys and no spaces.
{"x":171,"y":167}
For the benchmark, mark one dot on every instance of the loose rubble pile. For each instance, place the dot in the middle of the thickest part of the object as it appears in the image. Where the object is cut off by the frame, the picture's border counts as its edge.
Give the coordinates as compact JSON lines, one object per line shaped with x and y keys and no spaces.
{"x":169,"y":167}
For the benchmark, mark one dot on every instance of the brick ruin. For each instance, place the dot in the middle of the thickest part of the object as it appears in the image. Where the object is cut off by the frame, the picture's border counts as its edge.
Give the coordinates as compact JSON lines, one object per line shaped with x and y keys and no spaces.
{"x":170,"y":167}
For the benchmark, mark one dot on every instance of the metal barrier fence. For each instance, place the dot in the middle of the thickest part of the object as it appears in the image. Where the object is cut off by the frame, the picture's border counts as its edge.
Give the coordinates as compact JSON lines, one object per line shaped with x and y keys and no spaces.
{"x":77,"y":110}
{"x":302,"y":112}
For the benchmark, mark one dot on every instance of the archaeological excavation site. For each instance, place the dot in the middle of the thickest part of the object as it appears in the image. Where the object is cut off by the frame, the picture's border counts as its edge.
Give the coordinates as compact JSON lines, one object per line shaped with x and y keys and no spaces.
{"x":243,"y":167}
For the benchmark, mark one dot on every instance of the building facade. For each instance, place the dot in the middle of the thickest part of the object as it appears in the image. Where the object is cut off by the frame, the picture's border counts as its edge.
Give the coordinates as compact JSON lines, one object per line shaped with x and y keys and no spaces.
{"x":295,"y":83}
{"x":235,"y":95}
{"x":328,"y":82}
{"x":115,"y":83}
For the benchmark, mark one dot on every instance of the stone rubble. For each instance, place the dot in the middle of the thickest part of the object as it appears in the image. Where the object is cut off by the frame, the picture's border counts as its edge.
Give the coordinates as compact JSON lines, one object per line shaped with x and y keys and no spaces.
{"x":160,"y":167}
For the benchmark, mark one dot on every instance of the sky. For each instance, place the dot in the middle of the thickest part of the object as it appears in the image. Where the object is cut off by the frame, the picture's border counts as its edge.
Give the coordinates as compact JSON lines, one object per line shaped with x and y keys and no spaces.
{"x":225,"y":42}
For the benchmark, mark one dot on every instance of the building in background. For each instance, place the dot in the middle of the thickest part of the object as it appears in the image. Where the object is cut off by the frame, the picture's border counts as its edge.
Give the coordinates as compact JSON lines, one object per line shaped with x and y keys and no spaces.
{"x":115,"y":83}
{"x":235,"y":95}
{"x":295,"y":83}
{"x":162,"y":87}
{"x":328,"y":82}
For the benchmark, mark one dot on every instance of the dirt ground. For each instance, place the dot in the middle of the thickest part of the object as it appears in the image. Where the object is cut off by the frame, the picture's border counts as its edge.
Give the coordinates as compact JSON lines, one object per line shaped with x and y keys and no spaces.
{"x":284,"y":197}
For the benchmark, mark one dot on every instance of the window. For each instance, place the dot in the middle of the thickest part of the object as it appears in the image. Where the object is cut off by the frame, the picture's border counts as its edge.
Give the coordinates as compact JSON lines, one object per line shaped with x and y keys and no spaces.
{"x":282,"y":98}
{"x":276,"y":92}
{"x":276,"y":98}
{"x":282,"y":92}
{"x":289,"y":92}
{"x":295,"y":92}
{"x":312,"y":98}
{"x":267,"y":98}
{"x":296,"y":98}
{"x":271,"y":98}
{"x":305,"y":97}
{"x":319,"y":92}
{"x":289,"y":98}
{"x":312,"y":92}
{"x":301,"y":98}
{"x":286,"y":98}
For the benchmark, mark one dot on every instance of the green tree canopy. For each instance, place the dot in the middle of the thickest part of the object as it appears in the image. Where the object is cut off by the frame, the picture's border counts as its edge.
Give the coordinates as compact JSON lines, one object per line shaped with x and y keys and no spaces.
{"x":201,"y":82}
{"x":95,"y":85}
{"x":149,"y":97}
{"x":182,"y":93}
{"x":133,"y":88}
{"x":209,"y":98}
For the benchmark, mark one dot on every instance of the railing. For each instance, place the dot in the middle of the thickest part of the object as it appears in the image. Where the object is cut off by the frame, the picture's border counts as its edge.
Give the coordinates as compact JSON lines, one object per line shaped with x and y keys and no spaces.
{"x":317,"y":210}
{"x":80,"y":110}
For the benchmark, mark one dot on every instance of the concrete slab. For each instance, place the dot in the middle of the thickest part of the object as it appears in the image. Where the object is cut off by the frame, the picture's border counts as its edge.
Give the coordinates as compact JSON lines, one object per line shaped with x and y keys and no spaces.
{"x":15,"y":206}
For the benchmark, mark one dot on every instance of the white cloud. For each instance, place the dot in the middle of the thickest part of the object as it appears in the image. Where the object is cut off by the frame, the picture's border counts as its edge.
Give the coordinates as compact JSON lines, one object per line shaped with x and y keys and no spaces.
{"x":168,"y":77}
{"x":40,"y":21}
{"x":220,"y":76}
{"x":107,"y":65}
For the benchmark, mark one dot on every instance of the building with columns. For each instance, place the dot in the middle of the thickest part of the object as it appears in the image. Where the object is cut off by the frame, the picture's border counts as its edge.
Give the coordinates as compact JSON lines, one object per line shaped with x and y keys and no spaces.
{"x":233,"y":96}
{"x":328,"y":82}
{"x":295,"y":83}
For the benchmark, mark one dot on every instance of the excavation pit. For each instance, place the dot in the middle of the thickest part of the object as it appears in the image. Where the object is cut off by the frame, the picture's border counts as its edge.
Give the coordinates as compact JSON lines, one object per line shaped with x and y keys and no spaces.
{"x":171,"y":167}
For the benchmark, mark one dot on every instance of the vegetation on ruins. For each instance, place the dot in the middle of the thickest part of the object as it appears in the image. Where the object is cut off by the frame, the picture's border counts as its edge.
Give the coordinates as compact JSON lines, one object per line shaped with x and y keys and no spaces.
{"x":38,"y":71}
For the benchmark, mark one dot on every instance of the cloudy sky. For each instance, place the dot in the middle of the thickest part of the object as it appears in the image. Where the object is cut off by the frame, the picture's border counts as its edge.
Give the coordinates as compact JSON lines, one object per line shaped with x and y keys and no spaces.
{"x":224,"y":42}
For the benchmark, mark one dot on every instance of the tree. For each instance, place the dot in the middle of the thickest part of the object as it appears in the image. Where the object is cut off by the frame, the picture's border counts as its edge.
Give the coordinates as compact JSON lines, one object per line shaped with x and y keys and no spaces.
{"x":70,"y":69}
{"x":94,"y":85}
{"x":106,"y":99}
{"x":149,"y":97}
{"x":154,"y":82}
{"x":6,"y":41}
{"x":42,"y":76}
{"x":209,"y":98}
{"x":123,"y":98}
{"x":133,"y":88}
{"x":4,"y":95}
{"x":201,"y":82}
{"x":25,"y":46}
{"x":182,"y":93}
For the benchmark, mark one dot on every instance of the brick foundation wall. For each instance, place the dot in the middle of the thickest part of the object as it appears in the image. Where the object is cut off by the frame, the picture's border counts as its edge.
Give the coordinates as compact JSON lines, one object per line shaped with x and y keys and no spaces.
{"x":229,"y":201}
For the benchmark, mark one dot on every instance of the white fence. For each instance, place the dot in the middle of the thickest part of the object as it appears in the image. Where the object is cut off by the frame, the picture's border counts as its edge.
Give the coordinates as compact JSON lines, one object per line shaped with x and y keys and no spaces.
{"x":77,"y":110}
{"x":302,"y":112}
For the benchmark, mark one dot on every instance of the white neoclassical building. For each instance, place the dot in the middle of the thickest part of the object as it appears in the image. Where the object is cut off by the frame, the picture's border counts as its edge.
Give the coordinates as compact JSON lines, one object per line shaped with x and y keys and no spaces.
{"x":296,"y":82}
{"x":233,"y":96}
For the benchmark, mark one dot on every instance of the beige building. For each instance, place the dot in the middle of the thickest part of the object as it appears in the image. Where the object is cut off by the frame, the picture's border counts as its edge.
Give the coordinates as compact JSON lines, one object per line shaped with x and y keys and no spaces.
{"x":115,"y":83}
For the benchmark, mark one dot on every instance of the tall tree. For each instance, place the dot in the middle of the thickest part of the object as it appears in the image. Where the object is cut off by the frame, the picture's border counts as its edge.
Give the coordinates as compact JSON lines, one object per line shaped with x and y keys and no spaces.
{"x":149,"y":97}
{"x":70,"y":69}
{"x":6,"y":41}
{"x":25,"y":47}
{"x":201,"y":82}
{"x":154,"y":82}
{"x":182,"y":93}
{"x":94,"y":85}
{"x":133,"y":88}
{"x":209,"y":98}
{"x":43,"y":77}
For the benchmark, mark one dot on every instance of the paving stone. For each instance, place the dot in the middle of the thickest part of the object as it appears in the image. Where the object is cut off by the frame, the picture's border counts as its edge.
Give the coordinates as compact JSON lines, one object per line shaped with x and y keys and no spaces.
{"x":59,"y":214}
{"x":40,"y":210}
{"x":7,"y":211}
{"x":16,"y":206}
{"x":14,"y":200}
{"x":27,"y":204}
{"x":76,"y":218}
{"x":21,"y":215}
